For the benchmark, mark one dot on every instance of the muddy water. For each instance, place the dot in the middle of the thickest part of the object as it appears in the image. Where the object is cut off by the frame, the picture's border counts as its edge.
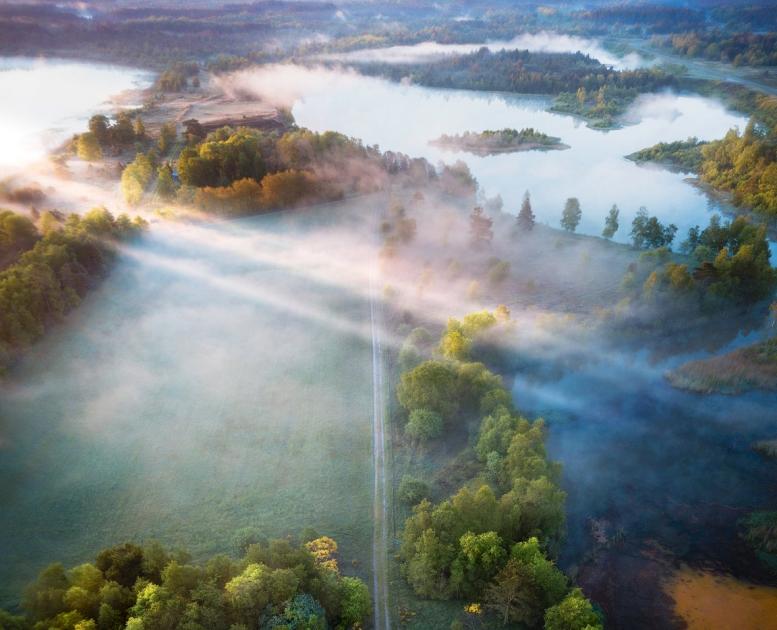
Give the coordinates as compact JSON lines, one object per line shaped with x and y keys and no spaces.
{"x":650,"y":467}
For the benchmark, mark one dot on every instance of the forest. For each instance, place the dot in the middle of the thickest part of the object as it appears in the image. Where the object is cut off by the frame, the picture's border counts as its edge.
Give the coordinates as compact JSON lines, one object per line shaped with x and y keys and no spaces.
{"x":584,"y":86}
{"x":274,"y":584}
{"x":493,"y":541}
{"x":739,"y":49}
{"x":49,"y":269}
{"x":743,"y":163}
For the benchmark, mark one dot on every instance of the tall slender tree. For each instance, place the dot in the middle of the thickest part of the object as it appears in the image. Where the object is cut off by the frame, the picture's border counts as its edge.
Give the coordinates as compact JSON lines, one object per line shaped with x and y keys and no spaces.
{"x":570,"y":218}
{"x":526,"y":218}
{"x":611,"y":223}
{"x":480,"y":231}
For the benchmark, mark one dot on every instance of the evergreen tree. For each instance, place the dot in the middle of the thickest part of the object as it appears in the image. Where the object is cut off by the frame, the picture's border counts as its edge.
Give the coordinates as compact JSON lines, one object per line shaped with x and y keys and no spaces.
{"x":526,"y":218}
{"x":480,"y":228}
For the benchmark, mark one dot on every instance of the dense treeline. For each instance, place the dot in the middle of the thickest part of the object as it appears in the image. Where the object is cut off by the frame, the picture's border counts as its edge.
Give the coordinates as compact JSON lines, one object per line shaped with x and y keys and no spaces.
{"x":244,"y":171}
{"x":731,"y":266}
{"x":493,"y":540}
{"x":276,"y":584}
{"x":585,"y":86}
{"x":524,"y":72}
{"x":643,"y":17}
{"x":57,"y":269}
{"x":103,"y":135}
{"x":684,"y":155}
{"x":744,"y":164}
{"x":741,"y":49}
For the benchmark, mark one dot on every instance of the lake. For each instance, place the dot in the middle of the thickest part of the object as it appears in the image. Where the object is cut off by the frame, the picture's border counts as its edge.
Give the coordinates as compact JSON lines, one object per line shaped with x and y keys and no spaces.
{"x":45,"y":101}
{"x":406,"y":118}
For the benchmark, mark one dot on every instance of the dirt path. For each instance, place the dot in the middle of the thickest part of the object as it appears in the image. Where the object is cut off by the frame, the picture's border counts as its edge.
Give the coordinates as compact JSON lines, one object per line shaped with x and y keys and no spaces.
{"x":380,"y":507}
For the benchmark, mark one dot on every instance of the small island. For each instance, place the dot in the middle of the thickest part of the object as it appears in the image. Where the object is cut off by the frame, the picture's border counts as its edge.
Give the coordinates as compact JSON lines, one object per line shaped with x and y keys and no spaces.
{"x":503,"y":141}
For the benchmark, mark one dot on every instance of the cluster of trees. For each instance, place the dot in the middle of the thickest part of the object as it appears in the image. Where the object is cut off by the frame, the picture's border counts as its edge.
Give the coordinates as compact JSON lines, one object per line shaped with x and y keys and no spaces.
{"x":732,"y":265}
{"x":744,"y":164}
{"x":501,"y":141}
{"x":643,"y":17}
{"x":602,"y":106}
{"x":684,"y":155}
{"x":649,"y":233}
{"x":241,"y":171}
{"x":276,"y":584}
{"x":525,"y":72}
{"x":125,"y":130}
{"x":17,"y":234}
{"x":397,"y":228}
{"x":61,"y":263}
{"x":491,"y":542}
{"x":741,"y":49}
{"x":176,"y":77}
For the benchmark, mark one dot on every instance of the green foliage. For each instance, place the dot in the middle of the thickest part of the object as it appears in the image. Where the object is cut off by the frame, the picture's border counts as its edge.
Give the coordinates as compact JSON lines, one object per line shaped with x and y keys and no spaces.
{"x":52,"y":277}
{"x":733,"y":266}
{"x":648,"y":233}
{"x":685,"y":155}
{"x":275,"y":585}
{"x":88,"y":147}
{"x":424,"y":425}
{"x":502,"y":141}
{"x":526,"y":219}
{"x":431,"y":386}
{"x":746,"y":165}
{"x":527,"y":585}
{"x":489,"y":539}
{"x":17,"y":234}
{"x":355,"y":600}
{"x":167,"y":137}
{"x":135,"y":178}
{"x":165,"y":186}
{"x":411,"y":490}
{"x":741,"y":49}
{"x":611,"y":224}
{"x":574,"y":612}
{"x":459,"y":336}
{"x":570,"y":218}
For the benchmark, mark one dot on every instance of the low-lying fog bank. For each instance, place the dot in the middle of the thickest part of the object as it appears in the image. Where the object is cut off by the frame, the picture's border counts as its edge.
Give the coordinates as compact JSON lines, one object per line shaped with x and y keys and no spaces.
{"x":543,"y":41}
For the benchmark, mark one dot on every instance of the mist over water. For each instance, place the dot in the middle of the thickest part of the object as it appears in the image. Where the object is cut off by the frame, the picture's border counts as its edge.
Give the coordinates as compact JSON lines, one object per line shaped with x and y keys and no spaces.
{"x":658,"y":463}
{"x":406,"y":118}
{"x":544,"y":41}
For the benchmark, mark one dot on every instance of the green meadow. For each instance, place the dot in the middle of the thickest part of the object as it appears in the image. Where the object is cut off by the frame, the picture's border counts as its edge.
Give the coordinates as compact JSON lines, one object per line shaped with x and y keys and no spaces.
{"x":220,"y":378}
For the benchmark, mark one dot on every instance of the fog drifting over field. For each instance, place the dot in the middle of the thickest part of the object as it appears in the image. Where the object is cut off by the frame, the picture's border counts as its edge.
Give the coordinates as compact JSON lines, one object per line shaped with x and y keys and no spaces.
{"x":544,"y":41}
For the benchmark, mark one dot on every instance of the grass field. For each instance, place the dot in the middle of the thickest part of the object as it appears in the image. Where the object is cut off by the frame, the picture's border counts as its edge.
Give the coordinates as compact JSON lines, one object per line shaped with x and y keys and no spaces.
{"x":220,"y":378}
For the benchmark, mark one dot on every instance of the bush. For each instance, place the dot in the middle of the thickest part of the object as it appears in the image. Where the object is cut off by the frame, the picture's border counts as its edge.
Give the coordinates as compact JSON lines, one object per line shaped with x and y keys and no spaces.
{"x":412,"y":490}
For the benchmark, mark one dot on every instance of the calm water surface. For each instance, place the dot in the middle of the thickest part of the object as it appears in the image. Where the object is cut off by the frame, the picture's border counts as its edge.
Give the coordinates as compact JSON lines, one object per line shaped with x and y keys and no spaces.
{"x":45,"y":101}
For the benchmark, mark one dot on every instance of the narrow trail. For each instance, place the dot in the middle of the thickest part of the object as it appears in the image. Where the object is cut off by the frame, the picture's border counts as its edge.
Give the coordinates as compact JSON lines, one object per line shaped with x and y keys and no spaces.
{"x":380,"y":539}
